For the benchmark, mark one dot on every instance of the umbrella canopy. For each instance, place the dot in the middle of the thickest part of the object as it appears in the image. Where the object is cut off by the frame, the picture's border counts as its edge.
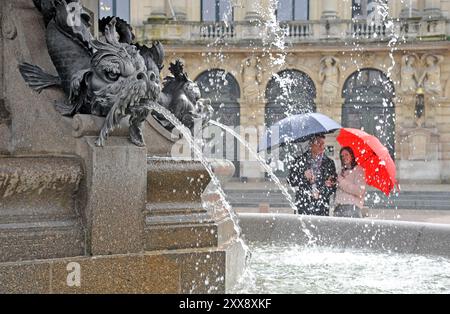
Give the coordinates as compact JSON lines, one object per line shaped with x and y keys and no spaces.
{"x":297,"y":128}
{"x":371,"y":155}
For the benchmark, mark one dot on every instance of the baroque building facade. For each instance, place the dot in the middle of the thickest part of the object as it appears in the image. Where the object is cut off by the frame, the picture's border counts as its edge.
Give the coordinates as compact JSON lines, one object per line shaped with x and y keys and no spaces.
{"x":380,"y":65}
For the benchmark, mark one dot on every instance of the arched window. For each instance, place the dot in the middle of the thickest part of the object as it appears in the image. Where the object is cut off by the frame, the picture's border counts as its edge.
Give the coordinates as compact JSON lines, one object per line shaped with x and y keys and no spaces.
{"x":288,"y":93}
{"x":216,"y":10}
{"x":292,"y":10}
{"x":369,"y":105}
{"x":223,"y":90}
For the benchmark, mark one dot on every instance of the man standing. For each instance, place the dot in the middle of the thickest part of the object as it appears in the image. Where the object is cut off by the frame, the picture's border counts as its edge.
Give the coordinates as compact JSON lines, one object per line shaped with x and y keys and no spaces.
{"x":315,"y":176}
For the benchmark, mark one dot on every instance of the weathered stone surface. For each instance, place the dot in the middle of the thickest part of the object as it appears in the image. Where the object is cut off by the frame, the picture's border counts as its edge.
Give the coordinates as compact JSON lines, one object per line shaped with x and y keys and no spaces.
{"x":182,"y":271}
{"x":41,"y":240}
{"x":115,"y":197}
{"x":5,"y":115}
{"x":31,"y":277}
{"x":119,"y":274}
{"x":175,"y":216}
{"x":202,"y":272}
{"x":5,"y":138}
{"x":38,"y":209}
{"x":183,"y":231}
{"x":180,"y":236}
{"x":176,"y":181}
{"x":36,"y":126}
{"x":40,"y":185}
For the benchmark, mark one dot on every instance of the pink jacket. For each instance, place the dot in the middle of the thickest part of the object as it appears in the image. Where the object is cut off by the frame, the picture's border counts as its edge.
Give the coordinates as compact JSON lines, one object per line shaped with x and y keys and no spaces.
{"x":351,"y":188}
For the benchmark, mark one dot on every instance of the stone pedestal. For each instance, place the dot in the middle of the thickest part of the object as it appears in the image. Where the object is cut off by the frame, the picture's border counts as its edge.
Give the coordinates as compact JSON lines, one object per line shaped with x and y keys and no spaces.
{"x":115,"y":195}
{"x":178,"y":247}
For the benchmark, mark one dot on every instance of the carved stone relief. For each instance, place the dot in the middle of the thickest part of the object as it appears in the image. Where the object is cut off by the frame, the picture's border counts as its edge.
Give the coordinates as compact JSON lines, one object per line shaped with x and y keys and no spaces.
{"x":421,"y":73}
{"x":251,"y":77}
{"x":329,"y":76}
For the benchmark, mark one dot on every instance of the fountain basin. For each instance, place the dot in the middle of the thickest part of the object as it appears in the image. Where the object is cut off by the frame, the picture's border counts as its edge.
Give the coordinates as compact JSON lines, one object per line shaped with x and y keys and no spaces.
{"x":384,"y":236}
{"x":342,"y":255}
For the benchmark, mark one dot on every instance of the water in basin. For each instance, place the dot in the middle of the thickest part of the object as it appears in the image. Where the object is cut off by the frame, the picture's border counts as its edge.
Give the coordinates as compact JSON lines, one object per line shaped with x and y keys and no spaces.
{"x":297,"y":269}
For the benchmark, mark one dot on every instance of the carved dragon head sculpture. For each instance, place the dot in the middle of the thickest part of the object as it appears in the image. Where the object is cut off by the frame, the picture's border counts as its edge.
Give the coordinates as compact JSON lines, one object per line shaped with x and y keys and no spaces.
{"x":118,"y":84}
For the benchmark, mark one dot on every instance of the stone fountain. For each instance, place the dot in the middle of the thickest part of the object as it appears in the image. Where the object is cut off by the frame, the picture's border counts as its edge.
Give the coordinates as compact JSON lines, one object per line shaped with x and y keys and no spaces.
{"x":84,"y":209}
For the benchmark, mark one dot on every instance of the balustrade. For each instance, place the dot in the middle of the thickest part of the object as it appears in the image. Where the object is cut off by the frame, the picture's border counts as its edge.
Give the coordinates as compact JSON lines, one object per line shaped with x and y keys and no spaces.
{"x":298,"y":31}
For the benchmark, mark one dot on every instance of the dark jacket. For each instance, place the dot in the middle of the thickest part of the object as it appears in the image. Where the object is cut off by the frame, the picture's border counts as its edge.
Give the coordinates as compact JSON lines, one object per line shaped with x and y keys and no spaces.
{"x":306,"y":203}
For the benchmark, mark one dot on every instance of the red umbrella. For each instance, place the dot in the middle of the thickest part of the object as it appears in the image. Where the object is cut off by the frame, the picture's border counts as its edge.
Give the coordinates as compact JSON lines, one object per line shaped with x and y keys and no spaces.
{"x":371,"y":155}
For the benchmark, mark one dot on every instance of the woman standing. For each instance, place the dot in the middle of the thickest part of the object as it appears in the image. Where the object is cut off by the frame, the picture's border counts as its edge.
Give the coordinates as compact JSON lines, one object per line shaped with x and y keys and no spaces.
{"x":351,"y":188}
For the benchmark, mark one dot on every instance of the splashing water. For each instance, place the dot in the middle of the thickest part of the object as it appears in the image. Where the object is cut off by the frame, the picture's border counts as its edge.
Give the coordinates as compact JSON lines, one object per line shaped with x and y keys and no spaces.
{"x":287,"y":268}
{"x":383,"y":14}
{"x":198,"y":154}
{"x":269,"y":172}
{"x":273,"y":36}
{"x":260,"y":160}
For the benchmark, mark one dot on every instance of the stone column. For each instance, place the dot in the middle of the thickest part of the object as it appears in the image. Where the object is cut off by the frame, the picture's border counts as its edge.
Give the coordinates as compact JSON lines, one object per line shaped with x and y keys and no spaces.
{"x":409,"y":9}
{"x":432,"y":8}
{"x":329,"y":9}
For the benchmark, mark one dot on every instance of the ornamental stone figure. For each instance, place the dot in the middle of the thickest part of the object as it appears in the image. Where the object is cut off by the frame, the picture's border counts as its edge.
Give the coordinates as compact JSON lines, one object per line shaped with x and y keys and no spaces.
{"x":409,"y":76}
{"x":182,"y":97}
{"x":252,"y":78}
{"x":329,"y":76}
{"x":431,"y":77}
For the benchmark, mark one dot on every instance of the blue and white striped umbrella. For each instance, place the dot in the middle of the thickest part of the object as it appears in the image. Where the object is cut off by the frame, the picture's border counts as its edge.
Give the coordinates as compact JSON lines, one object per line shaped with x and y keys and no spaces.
{"x":297,"y":128}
